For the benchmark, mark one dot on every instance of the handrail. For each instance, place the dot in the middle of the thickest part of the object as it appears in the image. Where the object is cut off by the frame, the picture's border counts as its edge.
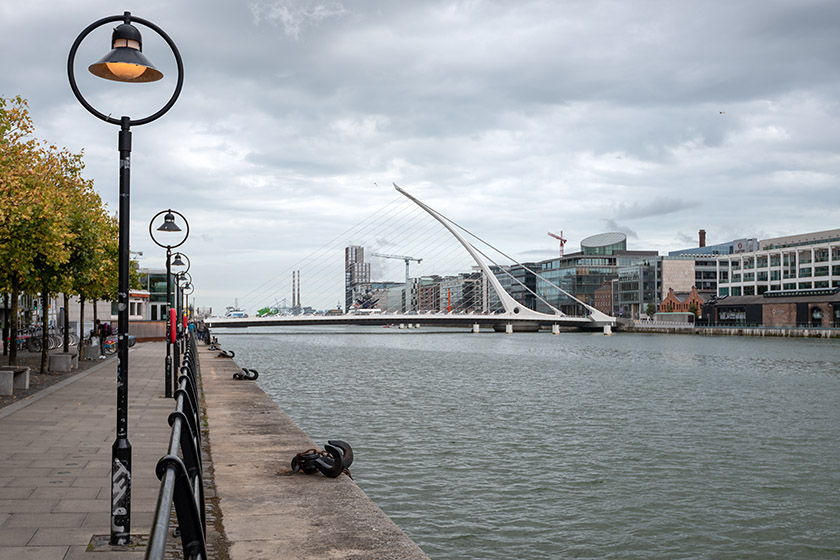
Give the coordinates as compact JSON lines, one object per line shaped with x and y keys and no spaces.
{"x":180,"y":470}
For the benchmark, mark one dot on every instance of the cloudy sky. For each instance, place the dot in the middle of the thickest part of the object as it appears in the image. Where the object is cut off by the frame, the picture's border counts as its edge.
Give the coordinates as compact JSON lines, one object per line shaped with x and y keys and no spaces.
{"x":514,"y":118}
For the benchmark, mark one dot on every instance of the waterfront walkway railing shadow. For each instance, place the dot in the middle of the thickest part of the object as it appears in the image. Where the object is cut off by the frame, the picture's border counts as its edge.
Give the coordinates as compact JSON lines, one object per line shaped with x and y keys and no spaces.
{"x":180,"y":470}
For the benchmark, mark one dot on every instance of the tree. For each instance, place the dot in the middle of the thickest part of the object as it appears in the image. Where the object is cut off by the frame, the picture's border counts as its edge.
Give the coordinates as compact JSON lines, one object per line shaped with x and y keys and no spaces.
{"x":17,"y":206}
{"x":47,"y":213}
{"x":650,"y":311}
{"x":692,"y":308}
{"x":95,"y":231}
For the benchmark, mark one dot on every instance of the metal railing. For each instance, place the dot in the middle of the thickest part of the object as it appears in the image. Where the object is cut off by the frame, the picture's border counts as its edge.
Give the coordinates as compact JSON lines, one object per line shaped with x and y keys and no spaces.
{"x":180,"y":471}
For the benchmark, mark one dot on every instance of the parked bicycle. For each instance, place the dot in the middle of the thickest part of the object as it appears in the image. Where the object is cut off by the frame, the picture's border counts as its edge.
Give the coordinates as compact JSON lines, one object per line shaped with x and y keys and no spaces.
{"x":55,"y":339}
{"x":111,"y":343}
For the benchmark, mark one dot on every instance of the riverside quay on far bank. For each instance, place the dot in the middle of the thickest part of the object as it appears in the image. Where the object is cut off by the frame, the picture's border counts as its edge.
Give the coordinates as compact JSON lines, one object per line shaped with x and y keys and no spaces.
{"x":784,"y":282}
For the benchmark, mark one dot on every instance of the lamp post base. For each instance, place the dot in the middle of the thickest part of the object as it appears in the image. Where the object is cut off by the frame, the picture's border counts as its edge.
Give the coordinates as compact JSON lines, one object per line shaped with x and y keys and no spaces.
{"x":120,"y":492}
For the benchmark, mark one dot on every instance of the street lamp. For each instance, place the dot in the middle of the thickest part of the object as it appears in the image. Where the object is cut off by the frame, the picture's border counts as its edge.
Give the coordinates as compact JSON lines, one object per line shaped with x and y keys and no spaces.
{"x":179,"y":298}
{"x":124,"y":63}
{"x":188,"y":290}
{"x":170,"y":226}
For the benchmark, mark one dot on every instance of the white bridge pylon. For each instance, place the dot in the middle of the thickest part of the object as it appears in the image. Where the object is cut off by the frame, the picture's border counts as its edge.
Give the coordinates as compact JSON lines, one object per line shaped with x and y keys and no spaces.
{"x":514,"y":312}
{"x":513,"y":309}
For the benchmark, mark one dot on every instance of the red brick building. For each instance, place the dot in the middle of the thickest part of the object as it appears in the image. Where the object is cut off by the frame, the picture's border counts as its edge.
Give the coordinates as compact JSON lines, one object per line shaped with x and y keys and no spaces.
{"x":682,"y":301}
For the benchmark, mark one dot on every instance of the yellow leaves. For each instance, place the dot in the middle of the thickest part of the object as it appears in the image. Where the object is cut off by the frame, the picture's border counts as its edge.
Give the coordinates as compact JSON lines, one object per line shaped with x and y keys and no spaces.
{"x":45,"y":206}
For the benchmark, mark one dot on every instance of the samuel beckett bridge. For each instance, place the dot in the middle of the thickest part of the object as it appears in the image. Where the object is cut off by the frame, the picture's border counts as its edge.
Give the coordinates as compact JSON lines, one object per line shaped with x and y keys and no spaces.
{"x":455,"y":283}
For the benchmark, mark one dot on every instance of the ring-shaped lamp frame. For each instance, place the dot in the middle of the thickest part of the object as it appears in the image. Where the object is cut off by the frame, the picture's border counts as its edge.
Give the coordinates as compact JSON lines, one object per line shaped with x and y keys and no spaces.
{"x":191,"y":288}
{"x":152,"y":234}
{"x":188,"y":264}
{"x":126,"y":18}
{"x":183,"y":274}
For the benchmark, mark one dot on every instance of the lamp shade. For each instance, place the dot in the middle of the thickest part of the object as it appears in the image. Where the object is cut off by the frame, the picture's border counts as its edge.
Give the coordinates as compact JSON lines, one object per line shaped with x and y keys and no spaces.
{"x":169,"y":223}
{"x":126,"y":62}
{"x":177,"y":260}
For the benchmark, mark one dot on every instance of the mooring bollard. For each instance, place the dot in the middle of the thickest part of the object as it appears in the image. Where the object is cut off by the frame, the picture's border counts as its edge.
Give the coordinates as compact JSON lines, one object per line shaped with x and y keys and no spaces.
{"x":336,"y":459}
{"x":246,"y":373}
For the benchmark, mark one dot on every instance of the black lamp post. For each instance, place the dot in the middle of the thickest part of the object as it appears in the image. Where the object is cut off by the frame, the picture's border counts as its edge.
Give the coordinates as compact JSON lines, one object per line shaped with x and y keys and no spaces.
{"x":169,"y":225}
{"x":179,"y":298}
{"x":188,"y":289}
{"x":124,"y":63}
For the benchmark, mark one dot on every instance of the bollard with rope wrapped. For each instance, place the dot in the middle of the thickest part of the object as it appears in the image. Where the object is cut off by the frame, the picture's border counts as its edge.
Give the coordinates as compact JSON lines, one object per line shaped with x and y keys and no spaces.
{"x":247,"y":374}
{"x":334,"y":460}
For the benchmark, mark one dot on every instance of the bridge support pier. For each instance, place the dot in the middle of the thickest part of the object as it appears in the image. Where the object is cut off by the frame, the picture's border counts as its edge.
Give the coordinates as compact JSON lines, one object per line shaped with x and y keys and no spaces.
{"x":607,"y":330}
{"x":476,"y":328}
{"x":402,"y":325}
{"x":555,"y":329}
{"x":508,"y":328}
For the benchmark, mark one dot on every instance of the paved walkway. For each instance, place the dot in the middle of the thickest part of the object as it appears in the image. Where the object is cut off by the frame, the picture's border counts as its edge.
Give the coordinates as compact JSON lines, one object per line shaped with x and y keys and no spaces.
{"x":55,"y":451}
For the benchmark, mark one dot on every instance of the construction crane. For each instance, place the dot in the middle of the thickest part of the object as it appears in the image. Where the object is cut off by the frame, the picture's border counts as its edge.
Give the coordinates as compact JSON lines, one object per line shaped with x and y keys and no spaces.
{"x":401,"y":257}
{"x":560,"y":239}
{"x":406,"y":300}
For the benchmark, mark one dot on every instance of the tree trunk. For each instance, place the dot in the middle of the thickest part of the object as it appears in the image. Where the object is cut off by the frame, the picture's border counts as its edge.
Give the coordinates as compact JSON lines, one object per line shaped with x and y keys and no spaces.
{"x":45,"y":331}
{"x":82,"y":328}
{"x":13,"y":325}
{"x":6,"y":324}
{"x":66,"y":325}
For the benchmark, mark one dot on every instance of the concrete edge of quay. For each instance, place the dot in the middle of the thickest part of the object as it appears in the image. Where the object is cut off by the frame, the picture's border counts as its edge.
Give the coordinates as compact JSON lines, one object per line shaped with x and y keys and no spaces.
{"x":266,"y":510}
{"x":733,"y":331}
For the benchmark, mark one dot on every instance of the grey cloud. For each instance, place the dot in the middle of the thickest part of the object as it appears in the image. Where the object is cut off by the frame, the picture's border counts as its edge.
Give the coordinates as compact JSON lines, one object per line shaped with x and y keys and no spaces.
{"x":514,"y":118}
{"x":656,"y":207}
{"x":612,"y":225}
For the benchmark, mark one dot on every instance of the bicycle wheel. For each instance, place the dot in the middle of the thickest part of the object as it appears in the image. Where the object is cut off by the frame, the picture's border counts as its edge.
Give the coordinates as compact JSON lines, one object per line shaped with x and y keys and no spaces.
{"x":110,"y":344}
{"x":33,"y":343}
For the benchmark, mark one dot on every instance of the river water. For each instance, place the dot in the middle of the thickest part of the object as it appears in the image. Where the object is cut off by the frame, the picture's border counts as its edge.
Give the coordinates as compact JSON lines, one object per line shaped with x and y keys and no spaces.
{"x":579,"y":445}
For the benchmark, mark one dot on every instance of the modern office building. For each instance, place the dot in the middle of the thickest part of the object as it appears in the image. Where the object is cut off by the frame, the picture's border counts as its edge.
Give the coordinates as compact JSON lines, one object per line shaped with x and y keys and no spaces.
{"x":356,"y":274}
{"x":428,"y":293}
{"x":389,"y":296}
{"x":523,"y":284}
{"x":791,"y":281}
{"x":797,"y":262}
{"x":154,"y":282}
{"x":582,"y":273}
{"x":636,"y":287}
{"x":744,"y":245}
{"x":463,"y":293}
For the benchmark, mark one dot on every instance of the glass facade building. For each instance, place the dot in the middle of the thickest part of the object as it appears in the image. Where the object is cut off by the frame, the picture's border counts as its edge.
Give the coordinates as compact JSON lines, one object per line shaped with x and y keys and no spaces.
{"x":154,"y":282}
{"x":581,"y":274}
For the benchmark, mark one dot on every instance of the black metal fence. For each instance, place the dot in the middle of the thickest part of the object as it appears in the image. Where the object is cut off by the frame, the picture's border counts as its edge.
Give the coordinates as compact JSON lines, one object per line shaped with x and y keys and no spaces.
{"x":180,"y":471}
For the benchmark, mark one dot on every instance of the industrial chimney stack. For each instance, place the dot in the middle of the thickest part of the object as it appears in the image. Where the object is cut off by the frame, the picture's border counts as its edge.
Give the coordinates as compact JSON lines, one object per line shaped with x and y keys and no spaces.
{"x":702,"y":237}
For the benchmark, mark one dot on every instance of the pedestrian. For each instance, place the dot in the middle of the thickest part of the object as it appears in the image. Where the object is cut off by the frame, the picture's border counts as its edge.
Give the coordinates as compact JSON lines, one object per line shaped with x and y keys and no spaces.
{"x":94,"y":333}
{"x":104,"y":332}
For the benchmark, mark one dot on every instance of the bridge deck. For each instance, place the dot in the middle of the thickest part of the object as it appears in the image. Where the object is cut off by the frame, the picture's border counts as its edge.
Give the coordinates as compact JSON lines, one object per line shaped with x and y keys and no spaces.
{"x":441,"y":320}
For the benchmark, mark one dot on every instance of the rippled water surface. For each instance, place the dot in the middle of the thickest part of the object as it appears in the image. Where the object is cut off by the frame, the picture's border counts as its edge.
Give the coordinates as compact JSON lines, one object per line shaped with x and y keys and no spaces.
{"x":578,"y":445}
